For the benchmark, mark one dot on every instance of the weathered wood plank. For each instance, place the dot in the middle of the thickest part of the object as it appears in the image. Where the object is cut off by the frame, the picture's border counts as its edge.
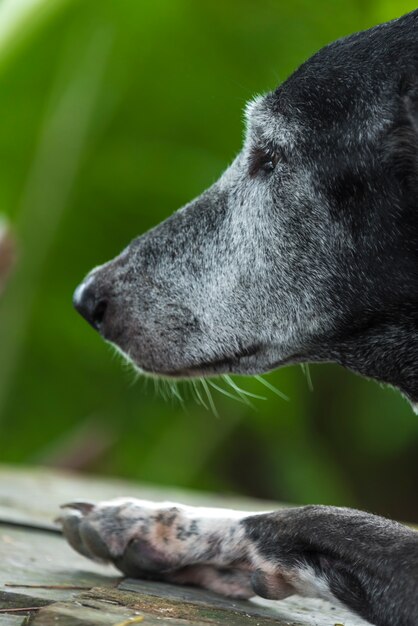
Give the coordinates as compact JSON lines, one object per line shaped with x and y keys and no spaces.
{"x":101,"y":607}
{"x":40,"y":558}
{"x":13,"y":620}
{"x":159,"y":612}
{"x":186,"y":603}
{"x":293,"y":611}
{"x":34,"y":495}
{"x":102,"y":614}
{"x":37,"y":567}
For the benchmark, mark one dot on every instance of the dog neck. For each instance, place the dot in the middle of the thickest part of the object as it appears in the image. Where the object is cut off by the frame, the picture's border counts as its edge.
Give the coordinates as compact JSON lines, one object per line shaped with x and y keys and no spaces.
{"x":386,"y":351}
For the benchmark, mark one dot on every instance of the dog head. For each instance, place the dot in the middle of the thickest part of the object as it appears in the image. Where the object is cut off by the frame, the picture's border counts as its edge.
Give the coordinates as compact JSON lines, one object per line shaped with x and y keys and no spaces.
{"x":305,"y":249}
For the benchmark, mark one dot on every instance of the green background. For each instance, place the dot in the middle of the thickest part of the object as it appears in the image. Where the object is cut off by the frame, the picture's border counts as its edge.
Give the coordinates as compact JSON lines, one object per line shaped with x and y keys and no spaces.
{"x":113,"y":113}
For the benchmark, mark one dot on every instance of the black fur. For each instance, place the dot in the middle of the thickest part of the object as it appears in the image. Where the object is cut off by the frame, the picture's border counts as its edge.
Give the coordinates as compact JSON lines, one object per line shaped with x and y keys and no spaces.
{"x":369,"y":563}
{"x":372,"y":187}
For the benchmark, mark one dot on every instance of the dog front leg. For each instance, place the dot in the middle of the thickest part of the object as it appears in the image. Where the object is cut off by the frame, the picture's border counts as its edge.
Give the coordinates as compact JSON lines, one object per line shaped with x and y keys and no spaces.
{"x":366,"y":562}
{"x":363,"y":561}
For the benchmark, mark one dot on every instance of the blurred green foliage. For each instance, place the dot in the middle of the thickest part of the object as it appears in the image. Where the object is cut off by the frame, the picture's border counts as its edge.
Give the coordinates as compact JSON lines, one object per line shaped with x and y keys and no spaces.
{"x":113,"y":114}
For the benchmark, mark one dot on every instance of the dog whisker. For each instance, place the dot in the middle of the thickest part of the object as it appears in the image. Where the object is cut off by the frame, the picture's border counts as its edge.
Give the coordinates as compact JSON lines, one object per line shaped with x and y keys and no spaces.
{"x":175,"y":392}
{"x":225,"y":392}
{"x":209,"y":397}
{"x":272,"y":388}
{"x":307,"y":373}
{"x":198,"y":394}
{"x":243,"y":393}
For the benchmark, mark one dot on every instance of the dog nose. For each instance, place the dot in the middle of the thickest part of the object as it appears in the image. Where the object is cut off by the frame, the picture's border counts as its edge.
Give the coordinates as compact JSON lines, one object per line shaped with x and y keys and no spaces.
{"x":91,"y":305}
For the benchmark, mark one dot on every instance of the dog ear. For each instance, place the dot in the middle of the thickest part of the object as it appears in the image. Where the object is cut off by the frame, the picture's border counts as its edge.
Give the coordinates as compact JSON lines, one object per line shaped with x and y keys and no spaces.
{"x":401,"y":145}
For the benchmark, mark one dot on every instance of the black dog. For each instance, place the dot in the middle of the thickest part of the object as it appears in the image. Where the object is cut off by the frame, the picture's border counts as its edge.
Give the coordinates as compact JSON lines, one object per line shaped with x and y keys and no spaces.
{"x":306,"y":249}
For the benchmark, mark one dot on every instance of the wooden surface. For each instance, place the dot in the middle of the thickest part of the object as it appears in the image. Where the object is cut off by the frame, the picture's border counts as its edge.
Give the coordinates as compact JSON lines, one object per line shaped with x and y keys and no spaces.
{"x":58,"y":587}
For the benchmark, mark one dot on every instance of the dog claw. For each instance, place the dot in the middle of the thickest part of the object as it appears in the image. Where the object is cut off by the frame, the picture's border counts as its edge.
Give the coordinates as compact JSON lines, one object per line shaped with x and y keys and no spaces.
{"x":83,"y":507}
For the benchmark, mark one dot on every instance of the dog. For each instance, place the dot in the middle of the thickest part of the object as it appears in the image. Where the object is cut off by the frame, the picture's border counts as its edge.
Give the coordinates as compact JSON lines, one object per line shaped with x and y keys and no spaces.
{"x":306,"y":249}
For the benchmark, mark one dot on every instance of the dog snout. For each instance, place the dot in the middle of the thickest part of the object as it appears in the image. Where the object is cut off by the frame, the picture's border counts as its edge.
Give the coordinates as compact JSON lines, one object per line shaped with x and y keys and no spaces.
{"x":91,"y":303}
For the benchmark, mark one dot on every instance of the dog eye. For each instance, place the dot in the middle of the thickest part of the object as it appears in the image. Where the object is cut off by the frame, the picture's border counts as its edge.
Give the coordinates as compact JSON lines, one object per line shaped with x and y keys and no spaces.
{"x":264,"y":161}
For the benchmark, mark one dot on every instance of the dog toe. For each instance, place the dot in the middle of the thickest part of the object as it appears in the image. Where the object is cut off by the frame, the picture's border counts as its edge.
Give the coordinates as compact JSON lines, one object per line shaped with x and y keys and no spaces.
{"x":93,"y":542}
{"x":70,"y":523}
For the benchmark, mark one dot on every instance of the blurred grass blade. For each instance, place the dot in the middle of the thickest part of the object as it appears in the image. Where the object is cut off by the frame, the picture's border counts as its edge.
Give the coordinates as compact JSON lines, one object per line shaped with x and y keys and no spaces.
{"x":20,"y":19}
{"x":50,"y":181}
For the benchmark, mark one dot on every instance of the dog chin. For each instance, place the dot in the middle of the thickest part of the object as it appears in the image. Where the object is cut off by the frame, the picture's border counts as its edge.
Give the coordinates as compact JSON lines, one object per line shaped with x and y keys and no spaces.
{"x":249,"y":362}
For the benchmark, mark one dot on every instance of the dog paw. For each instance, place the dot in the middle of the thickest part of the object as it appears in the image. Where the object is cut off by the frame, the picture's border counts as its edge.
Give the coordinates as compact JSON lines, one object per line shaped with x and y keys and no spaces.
{"x":167,"y":542}
{"x":137,"y":536}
